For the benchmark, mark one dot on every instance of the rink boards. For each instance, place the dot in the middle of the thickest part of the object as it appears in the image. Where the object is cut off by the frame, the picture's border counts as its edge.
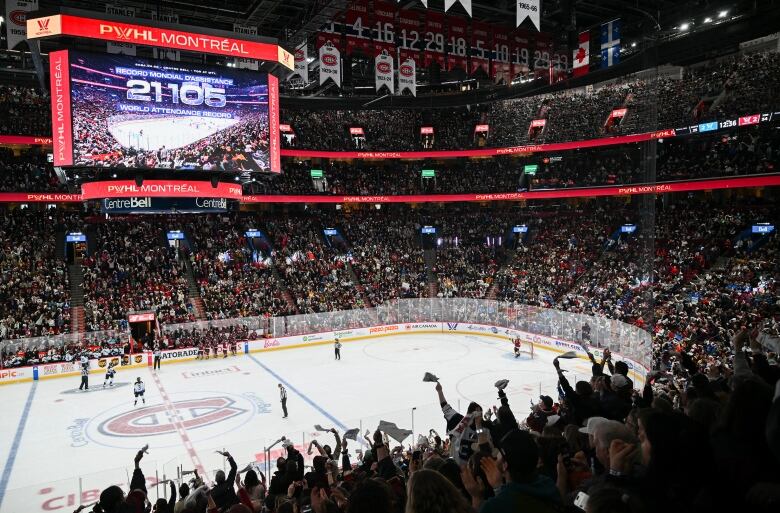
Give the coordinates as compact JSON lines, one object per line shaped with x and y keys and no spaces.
{"x":540,"y":342}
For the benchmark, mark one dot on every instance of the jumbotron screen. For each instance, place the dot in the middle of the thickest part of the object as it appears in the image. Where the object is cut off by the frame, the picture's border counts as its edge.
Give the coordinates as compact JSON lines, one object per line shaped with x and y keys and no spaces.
{"x":129,"y":112}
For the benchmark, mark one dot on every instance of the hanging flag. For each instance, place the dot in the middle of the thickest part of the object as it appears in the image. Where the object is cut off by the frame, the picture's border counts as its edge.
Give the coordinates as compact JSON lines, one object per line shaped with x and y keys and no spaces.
{"x":529,"y":9}
{"x":581,"y":57}
{"x":16,"y":20}
{"x":407,"y":77}
{"x":383,"y":72}
{"x":610,"y":56}
{"x":330,"y":64}
{"x":161,"y":52}
{"x":246,"y":63}
{"x":610,"y":43}
{"x":465,"y":3}
{"x":301,"y":64}
{"x":120,"y":48}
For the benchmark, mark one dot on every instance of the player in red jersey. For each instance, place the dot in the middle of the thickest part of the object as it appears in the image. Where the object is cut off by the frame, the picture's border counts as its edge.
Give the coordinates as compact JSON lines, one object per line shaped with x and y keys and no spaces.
{"x":517,"y":347}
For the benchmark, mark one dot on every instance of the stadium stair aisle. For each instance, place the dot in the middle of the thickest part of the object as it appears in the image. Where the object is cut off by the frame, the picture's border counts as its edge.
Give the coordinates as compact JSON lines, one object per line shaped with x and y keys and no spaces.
{"x":492,"y":292}
{"x":193,"y":291}
{"x":76,"y":280}
{"x":429,"y":255}
{"x":285,"y":291}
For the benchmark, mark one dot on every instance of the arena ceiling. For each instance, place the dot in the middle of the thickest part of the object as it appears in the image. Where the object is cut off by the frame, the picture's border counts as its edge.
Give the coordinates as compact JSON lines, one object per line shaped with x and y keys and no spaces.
{"x":290,"y":20}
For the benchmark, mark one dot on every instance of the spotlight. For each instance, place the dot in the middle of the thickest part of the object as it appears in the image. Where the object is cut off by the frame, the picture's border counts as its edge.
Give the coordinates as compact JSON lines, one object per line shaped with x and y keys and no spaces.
{"x":633,"y":45}
{"x":685,"y":26}
{"x":707,"y":20}
{"x":723,"y":14}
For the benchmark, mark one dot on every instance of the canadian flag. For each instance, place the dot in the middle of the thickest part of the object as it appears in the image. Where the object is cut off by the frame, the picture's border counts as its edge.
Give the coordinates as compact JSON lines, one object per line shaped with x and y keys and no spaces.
{"x":581,"y":58}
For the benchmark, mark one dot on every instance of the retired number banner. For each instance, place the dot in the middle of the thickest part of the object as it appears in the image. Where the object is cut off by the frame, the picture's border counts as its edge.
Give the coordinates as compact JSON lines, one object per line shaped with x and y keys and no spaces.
{"x":433,"y":39}
{"x":457,"y":46}
{"x":358,"y":28}
{"x":480,"y":47}
{"x":408,"y":35}
{"x":500,"y":68}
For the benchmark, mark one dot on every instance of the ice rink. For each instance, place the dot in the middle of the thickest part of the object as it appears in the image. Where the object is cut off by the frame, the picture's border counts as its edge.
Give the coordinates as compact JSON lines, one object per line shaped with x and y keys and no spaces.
{"x":171,"y":132}
{"x":61,"y":443}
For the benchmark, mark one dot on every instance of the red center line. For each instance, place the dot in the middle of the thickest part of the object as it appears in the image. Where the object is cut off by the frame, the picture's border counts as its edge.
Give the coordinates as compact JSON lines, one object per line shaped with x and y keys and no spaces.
{"x":177,"y":421}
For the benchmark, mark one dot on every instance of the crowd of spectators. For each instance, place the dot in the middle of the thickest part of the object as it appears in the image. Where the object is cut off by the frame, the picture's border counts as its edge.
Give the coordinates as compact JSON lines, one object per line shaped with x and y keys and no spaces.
{"x":314,"y":271}
{"x":24,"y":111}
{"x":27,"y":172}
{"x":385,"y":252}
{"x":34,"y":287}
{"x":133,"y":269}
{"x":235,"y":279}
{"x":722,"y":89}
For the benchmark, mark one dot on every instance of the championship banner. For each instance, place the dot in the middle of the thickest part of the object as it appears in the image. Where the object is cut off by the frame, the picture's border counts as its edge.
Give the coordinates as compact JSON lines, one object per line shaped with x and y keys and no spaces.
{"x":246,"y":63}
{"x":358,"y":28}
{"x":529,"y":9}
{"x":542,"y":52}
{"x":465,"y":3}
{"x":408,"y":35}
{"x":166,"y":53}
{"x":581,"y":57}
{"x":457,"y":54}
{"x":115,"y":47}
{"x":330,"y":64}
{"x":480,"y":47}
{"x":16,"y":20}
{"x":384,"y":75}
{"x":433,"y":39}
{"x":384,"y":28}
{"x":407,"y":77}
{"x":301,"y":63}
{"x":521,"y":52}
{"x":500,"y":68}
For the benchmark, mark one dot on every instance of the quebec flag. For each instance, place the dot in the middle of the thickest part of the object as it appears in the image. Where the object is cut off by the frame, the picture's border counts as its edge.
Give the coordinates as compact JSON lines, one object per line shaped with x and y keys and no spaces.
{"x":610,"y":56}
{"x":610,"y":43}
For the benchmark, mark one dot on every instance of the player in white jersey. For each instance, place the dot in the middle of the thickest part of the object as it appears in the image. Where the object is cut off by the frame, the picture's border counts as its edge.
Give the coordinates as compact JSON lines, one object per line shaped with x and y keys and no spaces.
{"x":138,"y":389}
{"x":110,"y":372}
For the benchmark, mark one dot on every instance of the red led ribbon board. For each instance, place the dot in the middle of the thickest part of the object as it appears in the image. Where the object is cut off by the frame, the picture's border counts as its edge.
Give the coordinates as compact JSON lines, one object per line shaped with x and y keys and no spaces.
{"x":109,"y":30}
{"x":585,"y":192}
{"x":61,"y":119}
{"x":486,"y":152}
{"x":25,"y":140}
{"x":159,"y":189}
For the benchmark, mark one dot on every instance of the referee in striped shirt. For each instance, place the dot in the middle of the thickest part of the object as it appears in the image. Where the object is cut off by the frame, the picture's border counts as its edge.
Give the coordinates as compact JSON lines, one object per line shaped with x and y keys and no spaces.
{"x":283,"y":397}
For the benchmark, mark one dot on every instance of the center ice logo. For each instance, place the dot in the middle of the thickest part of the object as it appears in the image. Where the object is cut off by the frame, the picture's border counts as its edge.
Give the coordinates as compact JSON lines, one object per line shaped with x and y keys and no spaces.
{"x":203,"y":415}
{"x":155,"y":420}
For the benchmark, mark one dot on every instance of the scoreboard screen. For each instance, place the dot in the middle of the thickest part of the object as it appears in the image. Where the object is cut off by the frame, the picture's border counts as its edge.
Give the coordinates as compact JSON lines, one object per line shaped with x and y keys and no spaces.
{"x":129,"y":112}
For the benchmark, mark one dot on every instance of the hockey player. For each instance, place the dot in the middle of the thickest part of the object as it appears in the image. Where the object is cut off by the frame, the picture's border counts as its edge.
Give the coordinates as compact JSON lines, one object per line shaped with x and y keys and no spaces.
{"x":337,"y":347}
{"x":138,"y":389}
{"x":224,"y":350}
{"x":110,"y":372}
{"x":234,"y":347}
{"x":517,"y":347}
{"x":200,"y":352}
